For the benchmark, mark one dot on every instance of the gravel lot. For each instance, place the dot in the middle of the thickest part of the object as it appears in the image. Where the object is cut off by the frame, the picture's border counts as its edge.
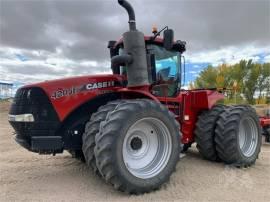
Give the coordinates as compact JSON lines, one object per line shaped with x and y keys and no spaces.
{"x":25,"y":176}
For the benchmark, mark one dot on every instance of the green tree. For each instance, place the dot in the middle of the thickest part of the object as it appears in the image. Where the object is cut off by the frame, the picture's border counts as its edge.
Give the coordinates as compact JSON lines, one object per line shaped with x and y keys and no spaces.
{"x":250,"y":78}
{"x":250,"y":81}
{"x":207,"y":78}
{"x":264,"y":79}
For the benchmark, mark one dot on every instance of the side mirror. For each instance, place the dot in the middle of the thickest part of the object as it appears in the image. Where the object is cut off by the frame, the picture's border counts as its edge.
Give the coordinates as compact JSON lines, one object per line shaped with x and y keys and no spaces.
{"x":168,"y":36}
{"x":179,"y":46}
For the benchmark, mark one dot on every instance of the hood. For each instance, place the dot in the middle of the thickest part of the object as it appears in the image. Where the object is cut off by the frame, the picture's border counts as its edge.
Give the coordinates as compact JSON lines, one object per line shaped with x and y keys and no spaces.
{"x":67,"y":94}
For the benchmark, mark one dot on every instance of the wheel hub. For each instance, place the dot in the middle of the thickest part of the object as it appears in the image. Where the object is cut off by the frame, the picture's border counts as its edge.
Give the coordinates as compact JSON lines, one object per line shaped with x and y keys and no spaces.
{"x":147,"y":147}
{"x":136,"y":143}
{"x":248,"y":136}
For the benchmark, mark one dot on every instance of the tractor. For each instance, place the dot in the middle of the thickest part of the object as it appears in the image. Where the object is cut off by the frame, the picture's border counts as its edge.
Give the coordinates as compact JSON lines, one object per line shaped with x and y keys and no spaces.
{"x":265,"y":124}
{"x":130,"y":126}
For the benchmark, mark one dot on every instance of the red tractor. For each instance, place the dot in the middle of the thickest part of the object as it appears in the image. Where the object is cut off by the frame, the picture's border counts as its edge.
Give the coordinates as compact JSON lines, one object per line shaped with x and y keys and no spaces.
{"x":130,"y":126}
{"x":265,"y":123}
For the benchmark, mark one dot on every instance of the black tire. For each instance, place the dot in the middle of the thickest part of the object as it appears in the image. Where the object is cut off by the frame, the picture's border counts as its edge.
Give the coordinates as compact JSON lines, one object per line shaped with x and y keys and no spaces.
{"x":227,"y":136}
{"x":110,"y":140}
{"x":91,"y":129}
{"x":205,"y":132}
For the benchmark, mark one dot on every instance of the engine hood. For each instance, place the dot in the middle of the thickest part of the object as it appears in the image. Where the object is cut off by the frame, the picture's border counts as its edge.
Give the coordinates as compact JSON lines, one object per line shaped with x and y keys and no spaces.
{"x":69,"y":93}
{"x":73,"y":81}
{"x":56,"y":89}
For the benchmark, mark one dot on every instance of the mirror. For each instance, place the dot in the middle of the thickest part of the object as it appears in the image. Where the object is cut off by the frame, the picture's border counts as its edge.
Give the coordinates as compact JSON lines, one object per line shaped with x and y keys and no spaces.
{"x":168,"y":36}
{"x":179,"y":46}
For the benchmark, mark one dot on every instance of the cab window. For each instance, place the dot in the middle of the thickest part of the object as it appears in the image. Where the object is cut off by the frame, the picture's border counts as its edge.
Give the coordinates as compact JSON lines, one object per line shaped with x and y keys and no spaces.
{"x":167,"y":67}
{"x":166,"y":62}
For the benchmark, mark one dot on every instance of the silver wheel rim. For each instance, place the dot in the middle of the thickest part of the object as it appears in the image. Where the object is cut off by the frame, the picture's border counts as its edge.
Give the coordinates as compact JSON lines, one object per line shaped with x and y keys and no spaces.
{"x":147,"y":148}
{"x":248,"y":136}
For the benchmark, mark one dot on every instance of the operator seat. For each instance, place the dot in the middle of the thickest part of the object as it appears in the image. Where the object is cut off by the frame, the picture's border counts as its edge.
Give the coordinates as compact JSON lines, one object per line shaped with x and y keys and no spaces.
{"x":165,"y":85}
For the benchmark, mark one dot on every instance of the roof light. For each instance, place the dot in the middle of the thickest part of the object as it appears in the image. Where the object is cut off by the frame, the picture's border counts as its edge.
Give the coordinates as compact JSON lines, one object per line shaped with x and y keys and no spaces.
{"x":154,"y":29}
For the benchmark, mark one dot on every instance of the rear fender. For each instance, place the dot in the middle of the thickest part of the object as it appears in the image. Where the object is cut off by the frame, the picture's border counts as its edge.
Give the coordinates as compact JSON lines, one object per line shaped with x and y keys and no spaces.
{"x":205,"y":99}
{"x":194,"y":102}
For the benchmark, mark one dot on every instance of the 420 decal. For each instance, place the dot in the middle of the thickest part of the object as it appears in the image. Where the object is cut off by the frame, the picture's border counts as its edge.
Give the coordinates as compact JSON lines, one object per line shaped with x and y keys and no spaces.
{"x":76,"y":89}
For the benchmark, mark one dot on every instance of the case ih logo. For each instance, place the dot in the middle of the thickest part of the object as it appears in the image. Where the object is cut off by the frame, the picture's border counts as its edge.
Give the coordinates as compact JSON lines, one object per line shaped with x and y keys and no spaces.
{"x":104,"y":84}
{"x":76,"y":89}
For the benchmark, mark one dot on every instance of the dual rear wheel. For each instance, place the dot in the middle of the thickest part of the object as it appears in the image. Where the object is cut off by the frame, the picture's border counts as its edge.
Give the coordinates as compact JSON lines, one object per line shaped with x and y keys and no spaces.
{"x":229,"y":134}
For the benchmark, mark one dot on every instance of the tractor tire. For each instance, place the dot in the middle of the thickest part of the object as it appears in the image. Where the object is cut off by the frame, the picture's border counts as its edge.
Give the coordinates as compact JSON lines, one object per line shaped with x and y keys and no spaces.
{"x":205,"y":132}
{"x":238,"y":136}
{"x":138,"y":146}
{"x":91,"y":129}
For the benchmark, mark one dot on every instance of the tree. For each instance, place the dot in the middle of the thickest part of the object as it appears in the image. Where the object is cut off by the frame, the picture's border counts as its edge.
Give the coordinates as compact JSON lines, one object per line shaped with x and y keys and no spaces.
{"x":250,"y":78}
{"x":264,"y":79}
{"x":250,"y":81}
{"x":207,"y":78}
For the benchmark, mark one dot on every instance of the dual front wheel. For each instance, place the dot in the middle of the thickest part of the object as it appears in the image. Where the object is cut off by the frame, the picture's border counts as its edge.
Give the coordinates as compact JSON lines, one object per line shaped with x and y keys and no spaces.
{"x":133,"y":144}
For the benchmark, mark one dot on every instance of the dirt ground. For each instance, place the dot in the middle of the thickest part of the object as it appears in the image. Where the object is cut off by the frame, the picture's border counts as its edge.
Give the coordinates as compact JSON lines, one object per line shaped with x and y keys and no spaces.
{"x":25,"y":176}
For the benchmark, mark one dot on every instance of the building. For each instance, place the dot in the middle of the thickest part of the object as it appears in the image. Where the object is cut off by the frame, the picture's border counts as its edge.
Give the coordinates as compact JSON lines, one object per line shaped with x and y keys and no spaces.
{"x":6,"y":90}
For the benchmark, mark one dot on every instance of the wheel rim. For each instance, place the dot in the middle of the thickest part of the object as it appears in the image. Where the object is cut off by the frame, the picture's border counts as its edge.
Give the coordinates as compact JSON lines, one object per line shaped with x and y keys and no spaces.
{"x":147,"y":148}
{"x":248,"y":136}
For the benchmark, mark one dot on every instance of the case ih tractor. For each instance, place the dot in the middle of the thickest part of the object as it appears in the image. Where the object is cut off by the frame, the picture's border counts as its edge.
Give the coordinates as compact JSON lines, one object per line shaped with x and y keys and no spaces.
{"x":130,"y":126}
{"x":265,"y":123}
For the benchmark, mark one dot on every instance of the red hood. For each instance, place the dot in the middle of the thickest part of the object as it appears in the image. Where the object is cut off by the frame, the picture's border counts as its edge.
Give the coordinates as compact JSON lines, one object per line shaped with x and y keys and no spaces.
{"x":69,"y":93}
{"x":74,"y":80}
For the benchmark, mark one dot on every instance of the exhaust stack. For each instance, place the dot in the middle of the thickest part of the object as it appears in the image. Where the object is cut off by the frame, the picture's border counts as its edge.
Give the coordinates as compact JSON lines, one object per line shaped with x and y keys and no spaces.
{"x":131,"y":14}
{"x":134,"y":55}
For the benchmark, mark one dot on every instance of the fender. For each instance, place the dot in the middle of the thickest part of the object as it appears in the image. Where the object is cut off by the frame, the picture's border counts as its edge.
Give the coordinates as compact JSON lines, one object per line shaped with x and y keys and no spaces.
{"x":205,"y":99}
{"x":194,"y":102}
{"x":130,"y":93}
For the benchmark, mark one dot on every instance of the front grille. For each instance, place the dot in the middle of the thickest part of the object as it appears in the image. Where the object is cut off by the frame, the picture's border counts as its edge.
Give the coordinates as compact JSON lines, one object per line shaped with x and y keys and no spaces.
{"x":34,"y":101}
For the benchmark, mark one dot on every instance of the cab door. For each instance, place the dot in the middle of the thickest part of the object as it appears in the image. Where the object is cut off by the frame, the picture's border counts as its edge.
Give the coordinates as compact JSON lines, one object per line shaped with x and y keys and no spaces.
{"x":165,"y":71}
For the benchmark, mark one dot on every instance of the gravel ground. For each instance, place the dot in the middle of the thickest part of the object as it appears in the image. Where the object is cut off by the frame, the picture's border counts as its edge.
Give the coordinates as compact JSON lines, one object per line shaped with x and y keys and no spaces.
{"x":25,"y":176}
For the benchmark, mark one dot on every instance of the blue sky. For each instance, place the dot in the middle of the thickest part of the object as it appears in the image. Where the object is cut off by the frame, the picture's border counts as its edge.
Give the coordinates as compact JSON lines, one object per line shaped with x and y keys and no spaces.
{"x":193,"y":70}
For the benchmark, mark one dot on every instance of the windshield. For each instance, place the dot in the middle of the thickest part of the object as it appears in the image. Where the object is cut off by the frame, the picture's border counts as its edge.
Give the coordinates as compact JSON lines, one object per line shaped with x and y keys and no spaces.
{"x":165,"y":69}
{"x":167,"y":63}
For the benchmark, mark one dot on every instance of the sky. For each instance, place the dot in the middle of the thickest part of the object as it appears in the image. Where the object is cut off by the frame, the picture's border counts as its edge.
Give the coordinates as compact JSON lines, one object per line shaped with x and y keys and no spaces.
{"x":46,"y":39}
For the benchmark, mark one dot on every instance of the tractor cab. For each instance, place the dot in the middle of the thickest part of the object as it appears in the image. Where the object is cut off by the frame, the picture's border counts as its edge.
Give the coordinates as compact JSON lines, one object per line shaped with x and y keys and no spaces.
{"x":164,"y":64}
{"x":165,"y":74}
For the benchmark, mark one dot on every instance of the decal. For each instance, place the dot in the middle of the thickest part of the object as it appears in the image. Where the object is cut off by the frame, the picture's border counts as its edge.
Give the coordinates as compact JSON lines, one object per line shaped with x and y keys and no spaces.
{"x":87,"y":87}
{"x":104,"y":84}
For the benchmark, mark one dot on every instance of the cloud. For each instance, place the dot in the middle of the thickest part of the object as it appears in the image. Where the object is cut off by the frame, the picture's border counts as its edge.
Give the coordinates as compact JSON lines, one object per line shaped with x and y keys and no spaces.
{"x":64,"y":38}
{"x":229,"y":55}
{"x":193,"y":72}
{"x":39,"y":66}
{"x":266,"y":58}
